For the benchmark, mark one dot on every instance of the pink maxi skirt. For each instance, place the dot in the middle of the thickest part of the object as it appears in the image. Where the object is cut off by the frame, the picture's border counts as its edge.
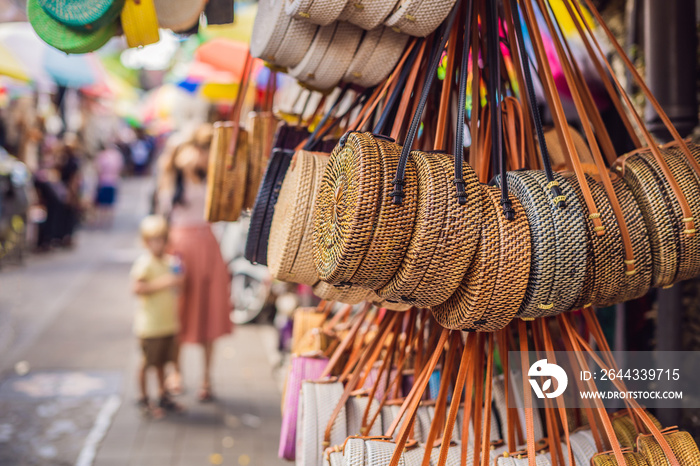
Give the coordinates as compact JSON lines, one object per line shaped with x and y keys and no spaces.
{"x":205,"y":305}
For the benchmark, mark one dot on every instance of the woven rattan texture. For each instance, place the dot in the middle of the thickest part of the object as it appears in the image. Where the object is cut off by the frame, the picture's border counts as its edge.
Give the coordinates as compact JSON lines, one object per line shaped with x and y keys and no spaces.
{"x":321,"y":12}
{"x":347,"y":208}
{"x":313,"y":57}
{"x":367,"y":14}
{"x":543,"y":243}
{"x":608,"y":459}
{"x":262,"y":127}
{"x":445,"y":236}
{"x":179,"y":15}
{"x":394,"y":225}
{"x":605,"y":268}
{"x":335,"y":60}
{"x":419,"y":17}
{"x":682,"y":444}
{"x":81,"y":14}
{"x":656,"y":207}
{"x":636,"y":285}
{"x":689,"y":254}
{"x":494,"y":287}
{"x":571,"y":245}
{"x":233,"y":184}
{"x":344,"y":294}
{"x":215,"y":170}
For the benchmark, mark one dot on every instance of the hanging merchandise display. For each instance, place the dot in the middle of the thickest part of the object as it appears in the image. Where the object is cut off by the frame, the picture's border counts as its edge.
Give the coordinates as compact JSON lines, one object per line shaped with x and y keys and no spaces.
{"x":465,"y":215}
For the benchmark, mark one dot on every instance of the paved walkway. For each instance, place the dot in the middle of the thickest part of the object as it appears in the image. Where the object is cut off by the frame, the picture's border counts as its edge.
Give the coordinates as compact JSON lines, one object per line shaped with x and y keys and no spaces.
{"x":68,"y":358}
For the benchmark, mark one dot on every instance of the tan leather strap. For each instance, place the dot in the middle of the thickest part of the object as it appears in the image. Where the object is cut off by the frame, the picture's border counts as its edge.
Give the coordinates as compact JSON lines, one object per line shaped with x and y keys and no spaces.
{"x":362,"y":365}
{"x":415,"y":397}
{"x":359,"y":319}
{"x":558,"y":115}
{"x":478,"y":398}
{"x":441,"y":401}
{"x":474,"y":151}
{"x":406,"y":97}
{"x":592,"y":143}
{"x":643,"y":86}
{"x":488,"y":396}
{"x":529,"y":419}
{"x":688,"y":222}
{"x":446,"y":92}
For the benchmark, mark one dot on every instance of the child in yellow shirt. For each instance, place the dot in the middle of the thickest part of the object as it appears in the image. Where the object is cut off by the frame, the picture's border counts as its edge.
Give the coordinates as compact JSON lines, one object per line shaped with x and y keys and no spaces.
{"x":156,"y":279}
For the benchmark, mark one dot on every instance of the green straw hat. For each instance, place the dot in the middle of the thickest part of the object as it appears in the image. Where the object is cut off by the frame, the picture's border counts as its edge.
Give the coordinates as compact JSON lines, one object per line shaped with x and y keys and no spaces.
{"x":87,"y":15}
{"x":63,"y":37}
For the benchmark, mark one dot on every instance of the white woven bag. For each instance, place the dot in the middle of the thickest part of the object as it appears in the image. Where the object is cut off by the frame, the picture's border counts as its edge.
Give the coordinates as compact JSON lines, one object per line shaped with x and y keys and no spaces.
{"x":277,"y":38}
{"x":419,"y":17}
{"x":540,"y":460}
{"x":367,"y":14}
{"x":583,"y":446}
{"x":321,"y":12}
{"x":179,"y":15}
{"x":355,"y":409}
{"x":378,"y":54}
{"x":329,"y":56}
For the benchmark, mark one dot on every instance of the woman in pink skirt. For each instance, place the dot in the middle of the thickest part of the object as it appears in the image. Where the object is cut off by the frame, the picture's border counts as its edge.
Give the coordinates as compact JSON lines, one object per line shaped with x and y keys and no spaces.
{"x":205,"y":305}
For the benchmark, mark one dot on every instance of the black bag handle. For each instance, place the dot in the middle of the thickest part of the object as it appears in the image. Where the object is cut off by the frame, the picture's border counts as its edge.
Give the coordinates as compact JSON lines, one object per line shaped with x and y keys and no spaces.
{"x":461,"y":104}
{"x":398,"y":91}
{"x":534,"y":109}
{"x":398,"y":181}
{"x":315,"y":136}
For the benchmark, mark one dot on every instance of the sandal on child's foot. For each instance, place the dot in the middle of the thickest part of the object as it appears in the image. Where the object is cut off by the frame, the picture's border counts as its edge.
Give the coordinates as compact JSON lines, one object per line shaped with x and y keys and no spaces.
{"x":170,"y":406}
{"x":144,"y":407}
{"x":205,"y":395}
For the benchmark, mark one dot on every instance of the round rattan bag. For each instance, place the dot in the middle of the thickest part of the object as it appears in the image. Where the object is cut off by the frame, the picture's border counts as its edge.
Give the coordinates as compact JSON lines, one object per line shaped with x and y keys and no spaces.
{"x":445,"y":236}
{"x":289,"y":255}
{"x":494,"y":286}
{"x":347,"y":208}
{"x":346,"y":295}
{"x":376,"y":57}
{"x":682,"y":444}
{"x":608,"y":459}
{"x":419,"y":17}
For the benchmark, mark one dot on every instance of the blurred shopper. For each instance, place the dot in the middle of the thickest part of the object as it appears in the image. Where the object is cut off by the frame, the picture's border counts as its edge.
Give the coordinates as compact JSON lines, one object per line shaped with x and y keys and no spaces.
{"x":71,"y":177}
{"x":157,"y":278}
{"x":109,"y":164}
{"x":205,"y":300}
{"x":141,"y":151}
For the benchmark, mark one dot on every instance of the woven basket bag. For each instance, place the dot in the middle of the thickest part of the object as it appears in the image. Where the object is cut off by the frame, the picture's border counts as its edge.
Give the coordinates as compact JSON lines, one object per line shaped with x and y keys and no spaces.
{"x":63,"y":37}
{"x":286,"y":139}
{"x":289,"y":255}
{"x":79,"y":14}
{"x":604,"y":269}
{"x":140,"y":23}
{"x":367,"y":14}
{"x":277,"y":38}
{"x":307,"y":320}
{"x":179,"y":15}
{"x":355,"y":408}
{"x":625,"y":430}
{"x":583,"y":446}
{"x":635,"y":285}
{"x":419,"y":17}
{"x":682,"y":444}
{"x":445,"y":236}
{"x":226,"y":183}
{"x":262,"y":129}
{"x":674,"y":253}
{"x":316,"y":404}
{"x":494,"y":287}
{"x":608,"y":459}
{"x":329,"y":56}
{"x":347,"y":208}
{"x":321,"y":12}
{"x":376,"y":57}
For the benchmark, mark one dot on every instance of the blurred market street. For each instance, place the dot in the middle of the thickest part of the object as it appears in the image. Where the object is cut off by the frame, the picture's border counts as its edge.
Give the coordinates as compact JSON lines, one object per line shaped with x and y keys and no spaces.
{"x":68,"y":358}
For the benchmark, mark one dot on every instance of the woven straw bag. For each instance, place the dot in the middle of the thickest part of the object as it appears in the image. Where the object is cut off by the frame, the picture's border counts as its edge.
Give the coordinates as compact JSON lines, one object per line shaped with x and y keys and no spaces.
{"x":445,"y":236}
{"x":301,"y":368}
{"x":583,"y":446}
{"x":262,"y":129}
{"x":321,"y":12}
{"x":635,"y":285}
{"x":226,"y":184}
{"x":674,"y":253}
{"x":347,"y":208}
{"x":625,"y":431}
{"x":179,"y":15}
{"x":494,"y":286}
{"x":521,"y":459}
{"x":316,"y":404}
{"x":367,"y":14}
{"x":608,"y":459}
{"x":289,"y":255}
{"x":355,"y":409}
{"x":277,"y":38}
{"x":604,"y":270}
{"x":307,"y":322}
{"x":682,"y":444}
{"x":83,"y":15}
{"x":329,"y":56}
{"x":286,"y":139}
{"x":140,"y":23}
{"x":63,"y":37}
{"x":419,"y":17}
{"x":376,"y":57}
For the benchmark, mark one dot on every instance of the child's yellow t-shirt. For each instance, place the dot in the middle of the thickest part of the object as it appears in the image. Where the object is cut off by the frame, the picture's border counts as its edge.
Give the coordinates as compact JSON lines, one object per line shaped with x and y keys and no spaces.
{"x":156,"y":315}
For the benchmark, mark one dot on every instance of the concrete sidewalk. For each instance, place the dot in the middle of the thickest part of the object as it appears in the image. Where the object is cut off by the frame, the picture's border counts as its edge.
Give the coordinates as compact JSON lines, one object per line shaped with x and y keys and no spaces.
{"x":68,"y":361}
